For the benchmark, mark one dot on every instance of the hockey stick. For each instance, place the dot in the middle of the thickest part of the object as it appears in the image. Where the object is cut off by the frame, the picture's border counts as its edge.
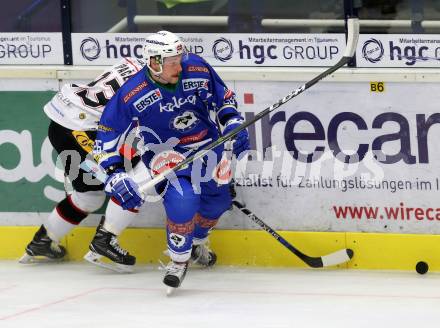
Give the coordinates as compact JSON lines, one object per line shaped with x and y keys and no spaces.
{"x":334,"y":258}
{"x":352,"y":38}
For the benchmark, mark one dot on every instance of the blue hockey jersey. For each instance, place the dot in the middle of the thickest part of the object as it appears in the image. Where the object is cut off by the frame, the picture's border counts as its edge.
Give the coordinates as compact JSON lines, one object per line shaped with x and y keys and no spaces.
{"x":187,"y":112}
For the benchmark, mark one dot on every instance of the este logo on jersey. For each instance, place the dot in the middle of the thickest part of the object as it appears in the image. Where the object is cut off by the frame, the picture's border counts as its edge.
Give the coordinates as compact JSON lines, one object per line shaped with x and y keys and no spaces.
{"x":192,"y":84}
{"x":147,"y":100}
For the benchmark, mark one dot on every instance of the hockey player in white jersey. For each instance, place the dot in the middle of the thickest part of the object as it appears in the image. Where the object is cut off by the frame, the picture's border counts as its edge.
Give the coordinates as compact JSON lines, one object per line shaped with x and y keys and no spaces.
{"x":74,"y":113}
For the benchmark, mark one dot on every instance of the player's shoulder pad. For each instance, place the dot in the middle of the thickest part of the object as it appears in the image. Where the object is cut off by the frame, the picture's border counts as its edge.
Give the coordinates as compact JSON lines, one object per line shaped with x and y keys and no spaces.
{"x":139,"y":63}
{"x":140,"y":93}
{"x":133,"y":86}
{"x":194,"y":64}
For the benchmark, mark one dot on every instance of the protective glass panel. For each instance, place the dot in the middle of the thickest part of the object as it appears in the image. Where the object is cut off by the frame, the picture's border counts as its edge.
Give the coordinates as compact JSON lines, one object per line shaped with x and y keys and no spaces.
{"x":30,"y":16}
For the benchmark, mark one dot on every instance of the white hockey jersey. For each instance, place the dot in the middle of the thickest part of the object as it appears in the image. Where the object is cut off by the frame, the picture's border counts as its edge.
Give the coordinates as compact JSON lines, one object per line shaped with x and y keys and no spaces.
{"x":79,"y":107}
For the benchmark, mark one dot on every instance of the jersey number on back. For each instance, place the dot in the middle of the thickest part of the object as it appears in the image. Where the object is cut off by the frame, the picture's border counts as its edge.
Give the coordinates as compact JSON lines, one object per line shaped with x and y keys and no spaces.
{"x":98,"y":99}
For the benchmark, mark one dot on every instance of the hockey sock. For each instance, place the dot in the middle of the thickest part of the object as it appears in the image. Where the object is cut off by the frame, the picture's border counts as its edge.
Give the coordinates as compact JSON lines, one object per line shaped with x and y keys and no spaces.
{"x":64,"y":217}
{"x":117,"y":219}
{"x":203,"y":227}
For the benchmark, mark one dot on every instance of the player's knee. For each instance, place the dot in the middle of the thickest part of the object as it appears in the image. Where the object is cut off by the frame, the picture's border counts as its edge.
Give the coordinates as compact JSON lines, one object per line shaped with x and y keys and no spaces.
{"x":181,"y":203}
{"x":213,"y":206}
{"x":217,"y":211}
{"x":89,"y":201}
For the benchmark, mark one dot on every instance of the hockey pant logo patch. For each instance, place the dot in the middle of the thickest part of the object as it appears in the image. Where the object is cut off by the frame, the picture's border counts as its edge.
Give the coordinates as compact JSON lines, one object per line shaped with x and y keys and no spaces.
{"x":177,"y":240}
{"x":164,"y":161}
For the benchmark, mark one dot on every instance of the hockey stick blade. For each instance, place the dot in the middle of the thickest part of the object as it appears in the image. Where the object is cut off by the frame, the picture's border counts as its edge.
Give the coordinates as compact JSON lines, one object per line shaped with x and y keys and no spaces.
{"x":352,"y":38}
{"x":331,"y":259}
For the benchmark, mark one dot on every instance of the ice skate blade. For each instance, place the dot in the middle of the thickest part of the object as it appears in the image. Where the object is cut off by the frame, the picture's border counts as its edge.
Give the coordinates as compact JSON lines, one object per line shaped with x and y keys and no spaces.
{"x":29,"y":259}
{"x":170,"y":290}
{"x":95,"y":259}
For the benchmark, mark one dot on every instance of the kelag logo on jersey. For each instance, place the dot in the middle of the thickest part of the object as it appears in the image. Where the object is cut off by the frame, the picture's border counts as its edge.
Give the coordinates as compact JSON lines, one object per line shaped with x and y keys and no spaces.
{"x":147,"y":100}
{"x":372,"y":50}
{"x":192,"y":84}
{"x":90,"y":49}
{"x":177,"y":103}
{"x":185,"y":121}
{"x":223,"y":49}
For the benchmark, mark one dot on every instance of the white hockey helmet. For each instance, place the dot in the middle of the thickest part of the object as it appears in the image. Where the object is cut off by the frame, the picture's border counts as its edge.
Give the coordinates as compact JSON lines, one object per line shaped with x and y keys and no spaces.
{"x":160,"y":45}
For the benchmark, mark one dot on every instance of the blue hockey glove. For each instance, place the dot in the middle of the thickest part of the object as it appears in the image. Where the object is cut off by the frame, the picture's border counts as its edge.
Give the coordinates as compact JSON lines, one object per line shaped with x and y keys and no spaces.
{"x":124,"y":190}
{"x":241,"y":140}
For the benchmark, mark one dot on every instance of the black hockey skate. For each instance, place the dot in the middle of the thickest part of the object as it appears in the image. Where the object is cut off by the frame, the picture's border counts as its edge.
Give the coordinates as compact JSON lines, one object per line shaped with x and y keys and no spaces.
{"x":42,"y":249}
{"x":202,"y":255}
{"x":174,"y":275}
{"x":105,"y":244}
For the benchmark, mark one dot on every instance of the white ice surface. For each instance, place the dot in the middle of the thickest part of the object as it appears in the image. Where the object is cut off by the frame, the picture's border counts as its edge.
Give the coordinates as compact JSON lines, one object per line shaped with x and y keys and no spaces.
{"x":82,"y":295}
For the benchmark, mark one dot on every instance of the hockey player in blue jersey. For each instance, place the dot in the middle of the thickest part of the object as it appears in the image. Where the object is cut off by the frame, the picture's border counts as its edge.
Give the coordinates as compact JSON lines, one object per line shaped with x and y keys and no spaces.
{"x":176,"y":101}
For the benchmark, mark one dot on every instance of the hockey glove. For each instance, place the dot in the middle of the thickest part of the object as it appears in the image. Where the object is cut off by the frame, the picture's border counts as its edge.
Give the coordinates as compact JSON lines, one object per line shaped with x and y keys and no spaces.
{"x":241,"y":140}
{"x":124,"y":190}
